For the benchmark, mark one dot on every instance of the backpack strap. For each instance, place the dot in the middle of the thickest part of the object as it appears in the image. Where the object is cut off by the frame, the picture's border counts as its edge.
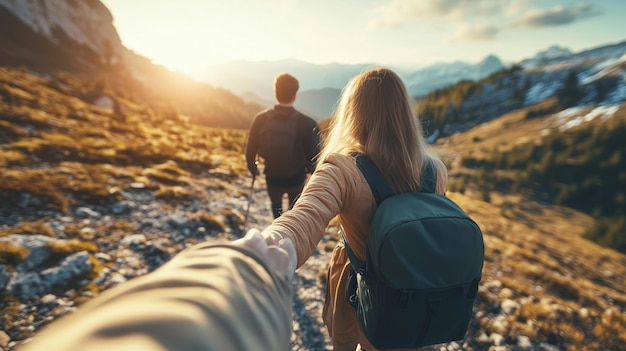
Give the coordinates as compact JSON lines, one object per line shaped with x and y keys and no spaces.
{"x":429,"y":178}
{"x":380,"y":189}
{"x":377,"y":182}
{"x":379,"y":185}
{"x":357,"y":265}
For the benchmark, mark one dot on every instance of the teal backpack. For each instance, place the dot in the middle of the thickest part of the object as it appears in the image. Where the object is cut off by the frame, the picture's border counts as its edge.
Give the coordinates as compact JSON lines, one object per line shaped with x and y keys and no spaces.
{"x":424,"y":259}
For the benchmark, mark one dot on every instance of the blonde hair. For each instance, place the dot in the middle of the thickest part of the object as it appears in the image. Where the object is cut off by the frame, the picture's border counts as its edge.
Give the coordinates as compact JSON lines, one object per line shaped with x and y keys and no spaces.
{"x":375,"y":117}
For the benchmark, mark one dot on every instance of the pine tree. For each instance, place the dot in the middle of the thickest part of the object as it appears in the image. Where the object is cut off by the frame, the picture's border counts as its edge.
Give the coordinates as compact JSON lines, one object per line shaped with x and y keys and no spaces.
{"x":569,"y":94}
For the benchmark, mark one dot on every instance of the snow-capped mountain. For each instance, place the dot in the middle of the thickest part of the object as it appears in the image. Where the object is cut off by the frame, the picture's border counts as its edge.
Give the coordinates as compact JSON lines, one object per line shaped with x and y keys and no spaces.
{"x":602,"y":68}
{"x":554,"y":53}
{"x":440,"y":75}
{"x":594,"y":77}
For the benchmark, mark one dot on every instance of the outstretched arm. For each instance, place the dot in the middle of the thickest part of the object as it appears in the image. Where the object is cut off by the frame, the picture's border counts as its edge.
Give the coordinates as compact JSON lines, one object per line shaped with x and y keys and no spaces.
{"x":209,"y":297}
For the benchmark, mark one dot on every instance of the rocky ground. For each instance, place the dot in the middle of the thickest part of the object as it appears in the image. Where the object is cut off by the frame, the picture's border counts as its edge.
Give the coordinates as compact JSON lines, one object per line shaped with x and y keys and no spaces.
{"x":162,"y":232}
{"x":140,"y":232}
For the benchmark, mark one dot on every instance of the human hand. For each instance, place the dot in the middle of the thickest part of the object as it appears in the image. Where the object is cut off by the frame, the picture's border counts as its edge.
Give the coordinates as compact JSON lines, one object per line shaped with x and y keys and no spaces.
{"x":278,"y":253}
{"x":254,"y":168}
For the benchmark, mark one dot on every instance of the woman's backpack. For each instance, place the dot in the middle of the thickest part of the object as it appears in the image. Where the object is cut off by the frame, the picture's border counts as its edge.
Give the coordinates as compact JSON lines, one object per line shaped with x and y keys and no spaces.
{"x":424,"y":259}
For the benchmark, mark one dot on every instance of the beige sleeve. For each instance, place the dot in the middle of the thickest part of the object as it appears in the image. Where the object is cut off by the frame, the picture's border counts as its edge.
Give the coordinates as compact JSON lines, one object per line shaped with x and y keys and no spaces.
{"x":209,"y":297}
{"x":321,"y":200}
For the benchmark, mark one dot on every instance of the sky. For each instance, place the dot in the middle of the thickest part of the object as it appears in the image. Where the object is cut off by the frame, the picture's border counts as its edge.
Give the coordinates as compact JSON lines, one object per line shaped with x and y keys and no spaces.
{"x":190,"y":35}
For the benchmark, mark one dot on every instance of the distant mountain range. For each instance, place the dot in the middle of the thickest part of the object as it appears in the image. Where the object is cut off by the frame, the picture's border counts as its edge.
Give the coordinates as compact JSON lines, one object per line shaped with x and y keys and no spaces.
{"x":320,"y":85}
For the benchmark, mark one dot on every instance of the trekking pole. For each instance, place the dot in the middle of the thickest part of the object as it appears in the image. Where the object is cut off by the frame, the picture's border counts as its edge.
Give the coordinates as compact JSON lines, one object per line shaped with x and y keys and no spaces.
{"x":245,"y":220}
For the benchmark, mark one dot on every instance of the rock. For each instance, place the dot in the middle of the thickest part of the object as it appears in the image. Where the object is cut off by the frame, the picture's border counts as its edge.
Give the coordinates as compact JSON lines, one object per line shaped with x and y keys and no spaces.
{"x":496,"y":339}
{"x":177,"y":220}
{"x":509,"y":306}
{"x":506,"y":293}
{"x":49,"y":298}
{"x":27,"y":200}
{"x":122,"y":207}
{"x":47,"y":303}
{"x":117,"y":278}
{"x":500,"y":324}
{"x":5,"y":277}
{"x":88,"y":233}
{"x":36,"y":244}
{"x":72,"y":267}
{"x":86,"y":212}
{"x":26,"y":285}
{"x":524,"y":343}
{"x":547,"y":347}
{"x":483,"y":338}
{"x":135,"y":239}
{"x":103,"y":257}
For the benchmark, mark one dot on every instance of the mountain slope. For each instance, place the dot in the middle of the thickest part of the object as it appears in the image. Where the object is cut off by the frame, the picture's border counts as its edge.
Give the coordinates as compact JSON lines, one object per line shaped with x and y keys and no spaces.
{"x":78,"y":37}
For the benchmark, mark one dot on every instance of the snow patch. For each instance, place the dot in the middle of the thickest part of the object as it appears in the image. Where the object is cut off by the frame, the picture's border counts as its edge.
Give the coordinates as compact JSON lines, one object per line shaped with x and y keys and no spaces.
{"x":601,"y":69}
{"x":540,"y":91}
{"x":600,"y":111}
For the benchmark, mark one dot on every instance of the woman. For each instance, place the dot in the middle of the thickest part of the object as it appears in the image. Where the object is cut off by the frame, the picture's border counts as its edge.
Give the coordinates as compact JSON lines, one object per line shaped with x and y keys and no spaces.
{"x":375,"y":117}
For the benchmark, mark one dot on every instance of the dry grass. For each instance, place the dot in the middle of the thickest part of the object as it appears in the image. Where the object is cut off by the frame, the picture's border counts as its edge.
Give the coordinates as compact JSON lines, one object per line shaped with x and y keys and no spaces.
{"x":68,"y":247}
{"x":39,"y":227}
{"x":11,"y":255}
{"x":65,"y":152}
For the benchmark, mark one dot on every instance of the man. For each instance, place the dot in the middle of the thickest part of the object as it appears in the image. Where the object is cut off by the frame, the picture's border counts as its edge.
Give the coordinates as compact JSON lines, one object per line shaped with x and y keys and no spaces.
{"x":288,"y":142}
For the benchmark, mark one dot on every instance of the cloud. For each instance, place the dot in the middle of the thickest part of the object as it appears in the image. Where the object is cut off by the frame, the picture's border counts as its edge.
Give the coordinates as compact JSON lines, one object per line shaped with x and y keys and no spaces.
{"x":476,"y":20}
{"x":556,"y":16}
{"x":396,"y":13}
{"x":475,"y":33}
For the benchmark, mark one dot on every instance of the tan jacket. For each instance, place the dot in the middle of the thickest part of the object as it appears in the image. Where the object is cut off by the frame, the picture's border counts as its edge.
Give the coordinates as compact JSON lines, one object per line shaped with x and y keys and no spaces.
{"x":336,"y":188}
{"x":206,"y":298}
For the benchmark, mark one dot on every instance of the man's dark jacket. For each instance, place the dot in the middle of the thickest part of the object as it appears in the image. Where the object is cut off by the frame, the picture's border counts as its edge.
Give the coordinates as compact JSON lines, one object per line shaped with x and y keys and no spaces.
{"x":307,"y":145}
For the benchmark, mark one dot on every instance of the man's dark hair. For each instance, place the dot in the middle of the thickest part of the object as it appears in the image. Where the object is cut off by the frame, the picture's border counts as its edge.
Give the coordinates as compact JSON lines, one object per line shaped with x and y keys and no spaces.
{"x":285,"y":87}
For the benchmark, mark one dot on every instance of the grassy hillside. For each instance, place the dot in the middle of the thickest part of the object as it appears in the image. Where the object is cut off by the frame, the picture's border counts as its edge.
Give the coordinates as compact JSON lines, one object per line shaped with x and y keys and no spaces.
{"x":573,"y":158}
{"x":65,"y":151}
{"x":543,"y":281}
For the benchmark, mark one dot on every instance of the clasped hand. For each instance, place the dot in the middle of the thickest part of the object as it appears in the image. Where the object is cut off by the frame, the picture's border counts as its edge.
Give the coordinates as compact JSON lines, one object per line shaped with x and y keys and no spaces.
{"x":278,"y":253}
